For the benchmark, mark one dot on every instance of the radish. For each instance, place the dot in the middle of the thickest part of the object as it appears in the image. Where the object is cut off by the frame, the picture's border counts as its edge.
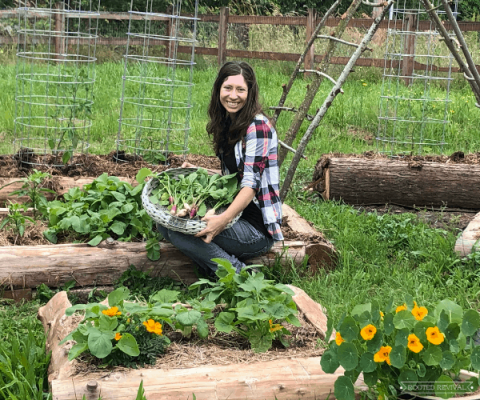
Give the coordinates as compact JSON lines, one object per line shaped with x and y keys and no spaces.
{"x":170,"y":200}
{"x":193,"y":212}
{"x":173,"y":211}
{"x":187,"y":207}
{"x":182,"y":213}
{"x":210,"y":213}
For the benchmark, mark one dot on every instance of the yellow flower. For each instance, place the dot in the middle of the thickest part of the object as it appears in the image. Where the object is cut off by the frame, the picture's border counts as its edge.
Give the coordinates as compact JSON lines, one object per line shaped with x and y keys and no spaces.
{"x":118,"y":336}
{"x":338,"y":339}
{"x":368,"y":332}
{"x":382,"y":315}
{"x":153,"y":327}
{"x":419,"y":312}
{"x":434,"y":335}
{"x":414,"y":343}
{"x":128,"y":320}
{"x":364,"y":84}
{"x":401,"y":308}
{"x":274,"y":327}
{"x":112,"y":312}
{"x":383,"y":355}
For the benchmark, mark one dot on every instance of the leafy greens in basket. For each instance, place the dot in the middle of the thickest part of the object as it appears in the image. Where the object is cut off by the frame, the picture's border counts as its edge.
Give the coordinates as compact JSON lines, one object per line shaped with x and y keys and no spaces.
{"x":194,"y":194}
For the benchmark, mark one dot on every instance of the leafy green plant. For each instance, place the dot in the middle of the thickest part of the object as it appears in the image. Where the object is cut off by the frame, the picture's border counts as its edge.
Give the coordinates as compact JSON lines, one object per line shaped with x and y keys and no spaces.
{"x":15,"y":219}
{"x":404,"y":349}
{"x":254,"y":307}
{"x":114,"y":333}
{"x":32,"y":186}
{"x":107,"y":207}
{"x":70,"y":117}
{"x":44,"y":293}
{"x":192,"y":194}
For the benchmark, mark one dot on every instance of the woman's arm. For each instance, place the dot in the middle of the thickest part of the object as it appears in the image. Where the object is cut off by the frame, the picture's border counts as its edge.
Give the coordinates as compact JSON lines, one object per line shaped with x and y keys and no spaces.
{"x":217,"y":223}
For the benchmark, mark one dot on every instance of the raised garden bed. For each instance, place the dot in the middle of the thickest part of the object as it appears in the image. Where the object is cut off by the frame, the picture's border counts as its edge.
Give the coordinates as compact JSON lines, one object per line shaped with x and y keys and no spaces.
{"x":209,"y":370}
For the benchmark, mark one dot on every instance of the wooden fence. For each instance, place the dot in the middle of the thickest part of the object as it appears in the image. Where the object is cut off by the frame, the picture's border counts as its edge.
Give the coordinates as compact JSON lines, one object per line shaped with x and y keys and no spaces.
{"x":224,"y":19}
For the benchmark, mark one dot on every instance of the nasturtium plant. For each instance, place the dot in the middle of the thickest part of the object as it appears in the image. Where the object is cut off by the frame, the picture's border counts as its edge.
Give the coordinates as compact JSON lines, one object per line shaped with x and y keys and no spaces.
{"x":123,"y":332}
{"x":407,"y":347}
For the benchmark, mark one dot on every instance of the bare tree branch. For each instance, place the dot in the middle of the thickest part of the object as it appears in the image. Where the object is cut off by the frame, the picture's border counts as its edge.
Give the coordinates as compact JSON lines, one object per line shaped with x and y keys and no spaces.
{"x":322,"y":74}
{"x":329,"y":100}
{"x":290,"y":148}
{"x":289,"y":85}
{"x":381,"y":4}
{"x":292,"y":109}
{"x":341,"y":41}
{"x":317,"y":80}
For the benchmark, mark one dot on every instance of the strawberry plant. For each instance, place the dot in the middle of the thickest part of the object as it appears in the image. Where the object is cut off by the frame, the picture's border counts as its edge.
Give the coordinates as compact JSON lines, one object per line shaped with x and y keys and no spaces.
{"x":107,"y":207}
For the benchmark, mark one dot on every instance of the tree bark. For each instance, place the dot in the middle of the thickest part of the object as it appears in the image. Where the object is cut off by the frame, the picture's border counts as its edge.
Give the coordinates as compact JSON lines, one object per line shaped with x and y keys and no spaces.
{"x":54,"y":265}
{"x":361,"y":181}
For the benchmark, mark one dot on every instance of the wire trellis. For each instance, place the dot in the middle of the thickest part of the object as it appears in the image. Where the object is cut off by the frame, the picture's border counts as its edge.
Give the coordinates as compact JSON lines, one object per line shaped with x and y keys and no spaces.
{"x":55,"y":74}
{"x":156,"y":99}
{"x":413,"y":115}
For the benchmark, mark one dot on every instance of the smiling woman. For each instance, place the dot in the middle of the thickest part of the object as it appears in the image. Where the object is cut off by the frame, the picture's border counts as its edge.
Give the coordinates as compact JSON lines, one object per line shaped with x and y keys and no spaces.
{"x":246,"y":143}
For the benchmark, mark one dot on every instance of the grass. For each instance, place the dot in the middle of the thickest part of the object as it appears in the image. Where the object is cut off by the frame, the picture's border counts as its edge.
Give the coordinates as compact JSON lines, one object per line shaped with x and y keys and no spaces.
{"x":379,"y":255}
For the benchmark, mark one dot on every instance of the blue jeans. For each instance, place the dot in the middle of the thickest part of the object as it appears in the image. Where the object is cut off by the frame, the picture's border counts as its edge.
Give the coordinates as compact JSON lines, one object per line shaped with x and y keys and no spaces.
{"x":236,"y":244}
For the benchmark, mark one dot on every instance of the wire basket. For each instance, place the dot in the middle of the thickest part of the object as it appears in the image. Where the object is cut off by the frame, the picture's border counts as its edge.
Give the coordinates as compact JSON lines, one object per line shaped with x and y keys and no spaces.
{"x":161,"y":214}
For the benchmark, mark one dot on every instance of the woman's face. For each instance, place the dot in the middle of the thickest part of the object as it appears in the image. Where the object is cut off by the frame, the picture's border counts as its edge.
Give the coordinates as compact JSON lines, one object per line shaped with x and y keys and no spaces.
{"x":233,"y":93}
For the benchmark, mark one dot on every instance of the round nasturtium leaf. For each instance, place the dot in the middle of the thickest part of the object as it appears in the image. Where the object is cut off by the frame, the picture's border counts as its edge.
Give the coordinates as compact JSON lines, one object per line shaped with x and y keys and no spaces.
{"x":452,"y":309}
{"x":404,"y":320}
{"x":374,"y":345}
{"x":448,"y":360}
{"x":475,"y":358}
{"x":343,"y":389}
{"x":347,"y":356}
{"x":432,"y":356}
{"x":370,"y":378}
{"x":407,"y":379}
{"x":388,"y":324}
{"x":398,"y":356}
{"x":470,"y":322}
{"x":349,"y":329}
{"x":329,"y":362}
{"x":367,"y":364}
{"x":445,"y":387}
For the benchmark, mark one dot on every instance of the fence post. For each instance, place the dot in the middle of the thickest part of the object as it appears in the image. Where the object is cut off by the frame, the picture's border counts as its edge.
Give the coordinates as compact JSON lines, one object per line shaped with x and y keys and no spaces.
{"x":310,"y":56}
{"x":222,"y":36}
{"x":59,"y":30}
{"x":409,"y":49}
{"x":169,"y":32}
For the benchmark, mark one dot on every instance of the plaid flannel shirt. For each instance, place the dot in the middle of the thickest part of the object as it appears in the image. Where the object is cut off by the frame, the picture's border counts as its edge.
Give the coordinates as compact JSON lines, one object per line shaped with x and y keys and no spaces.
{"x":256,"y":157}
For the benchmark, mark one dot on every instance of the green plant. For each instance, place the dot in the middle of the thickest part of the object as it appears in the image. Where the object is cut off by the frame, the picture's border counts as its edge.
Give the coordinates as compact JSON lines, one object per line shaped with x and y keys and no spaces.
{"x":69,"y":117}
{"x":32,"y":187}
{"x":15,"y":218}
{"x":254,"y":307}
{"x":189,"y":195}
{"x":405,"y":348}
{"x":113,"y":333}
{"x":107,"y":207}
{"x":44,"y":293}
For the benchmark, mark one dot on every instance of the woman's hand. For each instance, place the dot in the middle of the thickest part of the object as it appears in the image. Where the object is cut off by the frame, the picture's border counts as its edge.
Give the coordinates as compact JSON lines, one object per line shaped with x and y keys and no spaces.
{"x":188,"y":165}
{"x":215,"y":225}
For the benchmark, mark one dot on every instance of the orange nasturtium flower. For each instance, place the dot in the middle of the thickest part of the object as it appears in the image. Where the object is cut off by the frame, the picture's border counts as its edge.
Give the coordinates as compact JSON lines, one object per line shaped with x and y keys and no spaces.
{"x":434,"y":335}
{"x":274,"y":327}
{"x":414,"y":343}
{"x":338,"y":339}
{"x":118,"y":336}
{"x":112,"y":312}
{"x":383,"y":355}
{"x":368,"y":332}
{"x":382,"y":315}
{"x":419,"y":312}
{"x":153,"y":327}
{"x":401,"y":308}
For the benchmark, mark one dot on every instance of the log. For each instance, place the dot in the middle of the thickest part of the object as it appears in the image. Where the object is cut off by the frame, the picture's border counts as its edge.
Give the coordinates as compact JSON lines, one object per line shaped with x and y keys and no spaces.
{"x":282,"y":379}
{"x":54,"y":265}
{"x":469,"y":241}
{"x":321,"y":252}
{"x":361,"y":181}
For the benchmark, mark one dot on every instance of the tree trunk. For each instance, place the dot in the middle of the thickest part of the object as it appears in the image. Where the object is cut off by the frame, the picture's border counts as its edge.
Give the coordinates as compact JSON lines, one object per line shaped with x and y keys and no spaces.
{"x":362,"y":181}
{"x":54,"y":265}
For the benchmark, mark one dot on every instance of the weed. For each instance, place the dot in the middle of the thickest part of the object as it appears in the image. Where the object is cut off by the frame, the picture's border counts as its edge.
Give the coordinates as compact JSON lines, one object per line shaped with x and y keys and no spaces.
{"x":15,"y":219}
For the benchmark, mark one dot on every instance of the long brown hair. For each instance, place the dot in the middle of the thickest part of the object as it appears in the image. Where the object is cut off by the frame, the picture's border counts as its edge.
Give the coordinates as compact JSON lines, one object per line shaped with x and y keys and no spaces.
{"x":225,"y":131}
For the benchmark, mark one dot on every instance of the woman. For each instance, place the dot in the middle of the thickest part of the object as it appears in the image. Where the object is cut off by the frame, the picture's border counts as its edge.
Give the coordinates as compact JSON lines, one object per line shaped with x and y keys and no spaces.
{"x":246,"y":143}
